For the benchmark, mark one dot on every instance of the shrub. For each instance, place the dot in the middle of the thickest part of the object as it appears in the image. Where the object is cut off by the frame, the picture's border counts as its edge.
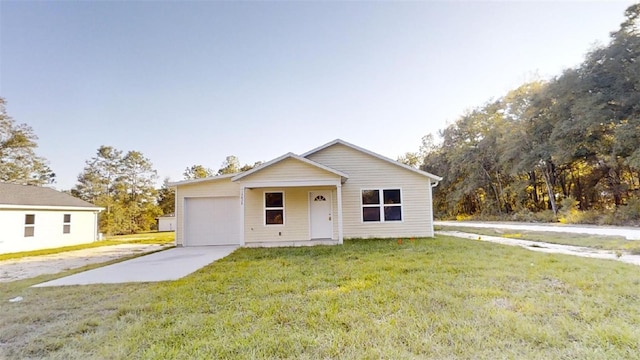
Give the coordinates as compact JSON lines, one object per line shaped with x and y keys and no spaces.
{"x":464,"y":217}
{"x":524,"y":215}
{"x":568,"y":212}
{"x":545,"y":216}
{"x":630,"y":212}
{"x":588,"y":217}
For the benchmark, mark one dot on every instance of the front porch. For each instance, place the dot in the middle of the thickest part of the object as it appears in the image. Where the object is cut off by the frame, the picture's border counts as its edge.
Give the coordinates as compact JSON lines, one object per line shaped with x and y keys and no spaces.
{"x":291,"y":201}
{"x":287,"y":214}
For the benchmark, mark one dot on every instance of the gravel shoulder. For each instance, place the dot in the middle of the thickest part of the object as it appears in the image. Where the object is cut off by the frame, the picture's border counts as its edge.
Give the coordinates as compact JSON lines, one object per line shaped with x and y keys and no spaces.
{"x":548,"y":247}
{"x":28,"y":267}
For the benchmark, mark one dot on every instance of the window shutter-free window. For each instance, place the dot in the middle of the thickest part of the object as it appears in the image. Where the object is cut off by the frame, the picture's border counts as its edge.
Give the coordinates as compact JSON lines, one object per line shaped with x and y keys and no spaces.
{"x":66,"y":224}
{"x":392,"y":205}
{"x":370,"y":205}
{"x":274,"y":208}
{"x":381,"y":205}
{"x":29,"y":225}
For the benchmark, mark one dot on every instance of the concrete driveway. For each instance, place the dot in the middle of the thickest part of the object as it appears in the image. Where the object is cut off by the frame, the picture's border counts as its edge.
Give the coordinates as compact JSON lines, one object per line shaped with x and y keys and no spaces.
{"x":165,"y":265}
{"x":32,"y":266}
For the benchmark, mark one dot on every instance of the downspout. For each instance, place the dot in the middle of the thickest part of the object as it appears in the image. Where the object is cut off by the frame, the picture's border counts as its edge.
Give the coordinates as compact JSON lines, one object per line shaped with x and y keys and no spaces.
{"x":178,"y":218}
{"x":340,"y":221}
{"x":242,"y":214}
{"x":95,"y":226}
{"x":431,"y":186}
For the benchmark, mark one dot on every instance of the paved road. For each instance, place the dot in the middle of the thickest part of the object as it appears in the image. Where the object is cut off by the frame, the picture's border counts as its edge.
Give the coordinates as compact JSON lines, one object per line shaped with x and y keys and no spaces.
{"x":628,"y":232}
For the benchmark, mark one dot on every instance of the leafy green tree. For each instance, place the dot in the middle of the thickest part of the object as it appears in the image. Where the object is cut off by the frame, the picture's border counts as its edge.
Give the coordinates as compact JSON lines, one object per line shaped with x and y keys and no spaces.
{"x":137,"y":182}
{"x":98,"y":184}
{"x":124,"y":186}
{"x":231,"y":165}
{"x":197,"y":172}
{"x":411,"y":158}
{"x":18,"y":160}
{"x":247,"y":167}
{"x":525,"y":148}
{"x":100,"y":175}
{"x":167,"y":198}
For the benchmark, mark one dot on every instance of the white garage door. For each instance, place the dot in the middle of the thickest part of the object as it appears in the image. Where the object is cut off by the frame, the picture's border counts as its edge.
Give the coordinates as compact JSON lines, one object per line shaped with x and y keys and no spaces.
{"x":212,"y":221}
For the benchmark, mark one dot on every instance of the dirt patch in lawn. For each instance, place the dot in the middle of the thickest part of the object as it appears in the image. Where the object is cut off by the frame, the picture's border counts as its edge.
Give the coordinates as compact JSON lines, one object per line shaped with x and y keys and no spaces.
{"x":28,"y":267}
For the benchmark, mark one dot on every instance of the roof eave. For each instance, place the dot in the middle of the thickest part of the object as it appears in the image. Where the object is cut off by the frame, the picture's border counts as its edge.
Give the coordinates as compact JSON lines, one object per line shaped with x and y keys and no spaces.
{"x":50,"y":207}
{"x":195,"y":181}
{"x":291,"y":155}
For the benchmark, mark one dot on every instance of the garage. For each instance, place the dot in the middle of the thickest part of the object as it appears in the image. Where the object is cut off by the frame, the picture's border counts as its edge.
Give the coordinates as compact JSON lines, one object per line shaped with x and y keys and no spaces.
{"x":212,"y":221}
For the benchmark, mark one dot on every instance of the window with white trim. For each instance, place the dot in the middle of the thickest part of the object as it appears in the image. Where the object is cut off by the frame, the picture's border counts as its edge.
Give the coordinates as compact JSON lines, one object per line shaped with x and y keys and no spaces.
{"x":381,"y":205}
{"x":29,"y":225}
{"x":274,"y":208}
{"x":66,"y":224}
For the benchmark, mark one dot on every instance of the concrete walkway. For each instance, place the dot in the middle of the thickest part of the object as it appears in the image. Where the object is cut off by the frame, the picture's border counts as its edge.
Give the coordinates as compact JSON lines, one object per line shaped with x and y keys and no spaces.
{"x":548,"y":247}
{"x":628,"y":232}
{"x":165,"y":265}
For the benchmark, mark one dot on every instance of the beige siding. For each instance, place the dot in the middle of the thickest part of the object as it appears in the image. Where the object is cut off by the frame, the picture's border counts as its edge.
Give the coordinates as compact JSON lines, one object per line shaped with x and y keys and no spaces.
{"x":368,"y":172}
{"x":213,"y":188}
{"x":290,"y":170}
{"x":296,"y":215}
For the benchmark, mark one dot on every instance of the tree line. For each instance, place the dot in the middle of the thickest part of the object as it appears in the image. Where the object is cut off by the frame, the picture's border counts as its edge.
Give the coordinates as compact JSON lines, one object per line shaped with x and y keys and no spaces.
{"x":123,"y":183}
{"x":560,"y":146}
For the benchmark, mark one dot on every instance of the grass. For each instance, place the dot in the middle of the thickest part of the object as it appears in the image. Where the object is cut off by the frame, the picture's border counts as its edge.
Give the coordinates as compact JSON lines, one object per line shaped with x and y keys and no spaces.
{"x":368,"y":299}
{"x":143,"y":238}
{"x":593,"y":241}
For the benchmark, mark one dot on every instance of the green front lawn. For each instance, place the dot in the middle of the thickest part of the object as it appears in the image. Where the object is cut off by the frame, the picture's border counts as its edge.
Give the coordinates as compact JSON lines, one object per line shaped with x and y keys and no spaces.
{"x":368,"y":299}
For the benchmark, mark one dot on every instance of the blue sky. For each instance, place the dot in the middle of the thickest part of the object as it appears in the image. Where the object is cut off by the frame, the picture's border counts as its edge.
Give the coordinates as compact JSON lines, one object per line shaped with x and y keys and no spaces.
{"x":192,"y":82}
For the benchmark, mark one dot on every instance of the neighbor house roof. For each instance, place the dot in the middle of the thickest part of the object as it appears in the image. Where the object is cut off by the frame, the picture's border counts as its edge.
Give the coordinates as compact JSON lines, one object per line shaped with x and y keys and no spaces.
{"x":14,"y":195}
{"x":291,"y":156}
{"x":371,"y":153}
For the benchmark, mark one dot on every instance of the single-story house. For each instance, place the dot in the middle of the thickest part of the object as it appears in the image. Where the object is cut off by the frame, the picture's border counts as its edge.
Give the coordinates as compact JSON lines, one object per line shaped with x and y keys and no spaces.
{"x":35,"y":217}
{"x":334,"y":191}
{"x":166,"y":222}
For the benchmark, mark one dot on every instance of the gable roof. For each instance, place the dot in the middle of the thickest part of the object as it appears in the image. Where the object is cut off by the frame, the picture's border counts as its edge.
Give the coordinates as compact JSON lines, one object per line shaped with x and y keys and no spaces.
{"x":34,"y":196}
{"x":195,"y":181}
{"x":371,"y":153}
{"x":291,"y":156}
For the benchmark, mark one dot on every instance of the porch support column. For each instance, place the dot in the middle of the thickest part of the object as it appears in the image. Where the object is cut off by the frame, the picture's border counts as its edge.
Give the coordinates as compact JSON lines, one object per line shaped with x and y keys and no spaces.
{"x":339,"y":195}
{"x":242,"y":202}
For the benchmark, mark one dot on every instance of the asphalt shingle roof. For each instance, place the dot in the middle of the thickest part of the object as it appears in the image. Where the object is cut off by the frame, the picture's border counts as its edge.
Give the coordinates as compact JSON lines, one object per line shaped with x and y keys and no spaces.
{"x":13,"y":194}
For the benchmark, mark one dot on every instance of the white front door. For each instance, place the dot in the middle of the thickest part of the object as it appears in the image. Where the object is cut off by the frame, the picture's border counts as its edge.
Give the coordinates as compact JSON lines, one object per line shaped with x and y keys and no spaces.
{"x":320,"y":214}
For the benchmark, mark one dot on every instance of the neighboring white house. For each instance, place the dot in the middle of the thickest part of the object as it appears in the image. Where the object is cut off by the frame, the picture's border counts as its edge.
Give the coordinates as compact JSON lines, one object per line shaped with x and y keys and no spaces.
{"x":166,"y":222}
{"x":35,"y":217}
{"x":335,"y":191}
